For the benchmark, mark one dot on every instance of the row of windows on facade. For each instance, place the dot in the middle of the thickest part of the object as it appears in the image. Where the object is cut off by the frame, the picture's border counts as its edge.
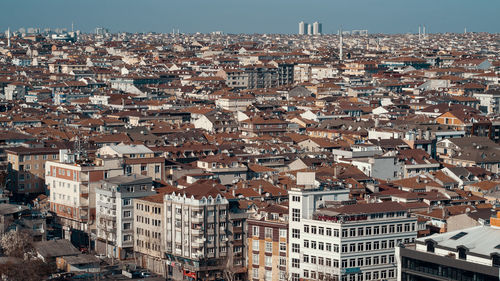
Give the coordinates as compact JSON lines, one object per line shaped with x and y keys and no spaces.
{"x":27,"y":186}
{"x":147,"y":208}
{"x":210,"y":213}
{"x":148,"y":233}
{"x":148,"y":245}
{"x":268,"y":232}
{"x":146,"y":220}
{"x":23,"y":158}
{"x":268,"y":261}
{"x":27,"y":167}
{"x":296,"y":215}
{"x":346,"y":263}
{"x":268,"y":274}
{"x":128,"y":169}
{"x":360,"y":231}
{"x":361,"y":246}
{"x":372,"y":275}
{"x":268,"y":246}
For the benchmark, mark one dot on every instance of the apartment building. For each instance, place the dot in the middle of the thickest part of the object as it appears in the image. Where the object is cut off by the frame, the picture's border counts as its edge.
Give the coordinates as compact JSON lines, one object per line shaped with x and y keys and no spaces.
{"x":263,"y":126}
{"x":350,"y":242}
{"x":268,"y":239}
{"x":72,"y":184}
{"x":196,"y":233}
{"x":137,"y":159}
{"x":225,"y":168}
{"x":115,"y":213}
{"x":466,"y":254}
{"x":26,"y":169}
{"x":148,"y":228}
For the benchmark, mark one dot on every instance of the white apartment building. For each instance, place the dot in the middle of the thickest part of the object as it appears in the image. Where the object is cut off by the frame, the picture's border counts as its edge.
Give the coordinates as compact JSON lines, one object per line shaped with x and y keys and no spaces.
{"x":348,"y":243}
{"x":115,"y":213}
{"x":71,"y":184}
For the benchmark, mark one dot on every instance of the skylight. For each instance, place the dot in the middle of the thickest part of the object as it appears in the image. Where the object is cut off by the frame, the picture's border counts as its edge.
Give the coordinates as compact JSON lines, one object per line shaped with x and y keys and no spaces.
{"x":458,"y":235}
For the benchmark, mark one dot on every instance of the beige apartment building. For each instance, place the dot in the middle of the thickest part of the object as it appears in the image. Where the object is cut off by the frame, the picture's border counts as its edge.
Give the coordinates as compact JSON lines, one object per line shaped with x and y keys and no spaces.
{"x":26,"y":169}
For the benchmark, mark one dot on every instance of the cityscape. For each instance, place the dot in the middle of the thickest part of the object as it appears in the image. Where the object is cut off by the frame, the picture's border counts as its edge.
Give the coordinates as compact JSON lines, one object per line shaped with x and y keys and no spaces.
{"x":329,"y":153}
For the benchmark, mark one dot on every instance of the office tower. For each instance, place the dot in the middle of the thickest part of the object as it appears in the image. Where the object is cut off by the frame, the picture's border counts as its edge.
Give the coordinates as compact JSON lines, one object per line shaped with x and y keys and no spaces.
{"x":317,"y":28}
{"x":309,"y":29}
{"x":8,"y":37}
{"x":302,"y":27}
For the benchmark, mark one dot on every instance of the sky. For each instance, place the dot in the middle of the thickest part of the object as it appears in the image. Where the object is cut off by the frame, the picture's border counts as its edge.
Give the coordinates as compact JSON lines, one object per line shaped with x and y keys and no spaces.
{"x":253,"y":16}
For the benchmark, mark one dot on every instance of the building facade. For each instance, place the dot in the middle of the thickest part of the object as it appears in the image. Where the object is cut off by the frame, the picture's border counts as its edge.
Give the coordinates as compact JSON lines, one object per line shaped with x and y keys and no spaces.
{"x":115,"y":213}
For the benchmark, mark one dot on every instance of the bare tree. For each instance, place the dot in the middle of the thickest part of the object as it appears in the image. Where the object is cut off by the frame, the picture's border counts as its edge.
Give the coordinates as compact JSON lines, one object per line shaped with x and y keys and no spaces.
{"x":16,"y":243}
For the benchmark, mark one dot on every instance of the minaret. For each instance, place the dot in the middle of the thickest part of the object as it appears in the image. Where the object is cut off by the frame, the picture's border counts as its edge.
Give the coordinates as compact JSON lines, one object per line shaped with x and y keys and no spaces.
{"x":340,"y":45}
{"x":419,"y":33}
{"x":424,"y":31}
{"x":8,"y":37}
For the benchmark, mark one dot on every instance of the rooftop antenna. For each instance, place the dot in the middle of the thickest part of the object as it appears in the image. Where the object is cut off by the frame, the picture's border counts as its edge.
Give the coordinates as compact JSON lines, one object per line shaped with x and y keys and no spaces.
{"x":8,"y":37}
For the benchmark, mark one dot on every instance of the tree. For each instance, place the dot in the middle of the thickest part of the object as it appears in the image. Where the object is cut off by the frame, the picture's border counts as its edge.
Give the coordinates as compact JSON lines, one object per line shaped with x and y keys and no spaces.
{"x":16,"y":243}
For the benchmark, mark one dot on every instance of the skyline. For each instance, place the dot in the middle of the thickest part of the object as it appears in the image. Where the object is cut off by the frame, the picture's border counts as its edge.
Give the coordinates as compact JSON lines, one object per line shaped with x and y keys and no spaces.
{"x":259,"y":17}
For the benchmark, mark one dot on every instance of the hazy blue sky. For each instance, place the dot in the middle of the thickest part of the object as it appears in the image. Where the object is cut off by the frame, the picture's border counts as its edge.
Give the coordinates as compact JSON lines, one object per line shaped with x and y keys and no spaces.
{"x":253,"y":16}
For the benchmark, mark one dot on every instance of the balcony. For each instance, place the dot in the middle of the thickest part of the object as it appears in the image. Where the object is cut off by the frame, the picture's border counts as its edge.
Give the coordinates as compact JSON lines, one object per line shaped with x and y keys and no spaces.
{"x":197,"y":231}
{"x":197,"y":219}
{"x":198,"y":243}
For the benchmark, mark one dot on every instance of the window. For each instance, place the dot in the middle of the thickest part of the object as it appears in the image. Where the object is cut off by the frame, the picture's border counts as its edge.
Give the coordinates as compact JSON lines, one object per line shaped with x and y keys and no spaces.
{"x":368,"y":231}
{"x":336,"y":248}
{"x":383,"y":259}
{"x":296,"y":198}
{"x":306,"y":243}
{"x":321,"y":231}
{"x":430,"y":246}
{"x":268,"y":261}
{"x":360,"y":231}
{"x":375,"y":260}
{"x":375,"y":230}
{"x":255,"y":245}
{"x":376,"y":245}
{"x":127,"y":237}
{"x":344,"y":248}
{"x":295,"y":233}
{"x":269,"y":247}
{"x":282,"y":233}
{"x":360,"y":261}
{"x":126,"y":226}
{"x":296,"y":214}
{"x":313,"y":229}
{"x":313,"y":245}
{"x":127,"y":214}
{"x":255,"y":230}
{"x":282,"y":247}
{"x":306,"y":228}
{"x":126,"y":202}
{"x":329,"y":247}
{"x":295,"y":263}
{"x":352,"y":232}
{"x":282,"y":261}
{"x":255,"y":273}
{"x":344,"y":232}
{"x":321,"y":246}
{"x":336,"y":232}
{"x":360,"y":247}
{"x":295,"y":248}
{"x":328,"y":232}
{"x":462,"y":253}
{"x":306,"y":258}
{"x":352,"y":247}
{"x":495,"y":260}
{"x":268,"y":232}
{"x":306,"y":273}
{"x":368,"y":261}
